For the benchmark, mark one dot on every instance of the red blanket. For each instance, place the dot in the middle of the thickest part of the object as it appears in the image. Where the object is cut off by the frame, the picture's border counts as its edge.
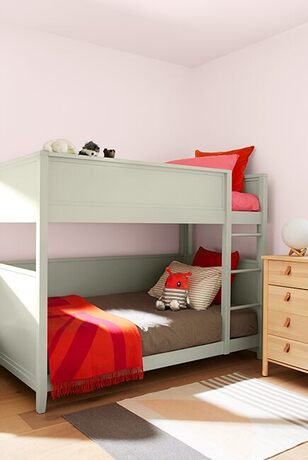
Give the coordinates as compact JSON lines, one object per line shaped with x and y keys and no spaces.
{"x":89,"y":348}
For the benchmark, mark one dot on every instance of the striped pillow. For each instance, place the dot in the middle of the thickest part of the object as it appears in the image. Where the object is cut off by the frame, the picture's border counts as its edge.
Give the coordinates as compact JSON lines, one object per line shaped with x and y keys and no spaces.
{"x":204,"y":284}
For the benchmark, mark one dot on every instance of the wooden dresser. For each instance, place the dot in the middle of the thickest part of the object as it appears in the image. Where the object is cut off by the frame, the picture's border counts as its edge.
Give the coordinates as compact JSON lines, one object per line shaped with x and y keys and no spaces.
{"x":285,"y":312}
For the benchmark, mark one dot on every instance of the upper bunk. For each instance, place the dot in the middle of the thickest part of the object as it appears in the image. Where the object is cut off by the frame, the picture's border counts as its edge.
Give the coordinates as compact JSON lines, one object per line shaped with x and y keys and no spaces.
{"x":67,"y":188}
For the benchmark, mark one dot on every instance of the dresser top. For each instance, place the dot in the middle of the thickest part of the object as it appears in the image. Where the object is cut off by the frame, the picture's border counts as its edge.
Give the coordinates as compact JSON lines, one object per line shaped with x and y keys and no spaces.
{"x":287,"y":258}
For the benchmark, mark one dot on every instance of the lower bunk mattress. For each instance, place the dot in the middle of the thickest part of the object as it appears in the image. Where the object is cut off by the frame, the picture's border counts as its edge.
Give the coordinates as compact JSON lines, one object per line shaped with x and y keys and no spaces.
{"x":163,"y":331}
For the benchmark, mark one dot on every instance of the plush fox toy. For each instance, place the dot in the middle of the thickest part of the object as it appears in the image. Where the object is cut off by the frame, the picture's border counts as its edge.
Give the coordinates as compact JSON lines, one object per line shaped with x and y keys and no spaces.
{"x":175,"y":293}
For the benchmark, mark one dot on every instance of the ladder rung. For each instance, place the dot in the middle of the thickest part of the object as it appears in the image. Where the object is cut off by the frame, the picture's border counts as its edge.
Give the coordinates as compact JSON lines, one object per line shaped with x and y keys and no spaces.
{"x":248,"y":305}
{"x":246,"y":270}
{"x":247,"y":234}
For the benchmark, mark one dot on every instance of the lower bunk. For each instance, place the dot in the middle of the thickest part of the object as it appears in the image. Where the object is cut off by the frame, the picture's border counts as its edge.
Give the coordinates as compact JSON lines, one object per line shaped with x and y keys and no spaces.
{"x":168,"y":338}
{"x":167,"y":331}
{"x":100,"y":341}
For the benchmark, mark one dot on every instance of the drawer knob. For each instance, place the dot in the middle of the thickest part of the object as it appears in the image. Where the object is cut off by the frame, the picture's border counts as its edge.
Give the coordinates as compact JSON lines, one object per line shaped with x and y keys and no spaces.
{"x":287,"y":296}
{"x":287,"y":348}
{"x":287,"y":322}
{"x":288,"y":270}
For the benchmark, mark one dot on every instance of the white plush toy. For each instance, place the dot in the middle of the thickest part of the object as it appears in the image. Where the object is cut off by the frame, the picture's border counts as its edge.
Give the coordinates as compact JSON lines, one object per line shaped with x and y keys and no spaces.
{"x":61,"y":146}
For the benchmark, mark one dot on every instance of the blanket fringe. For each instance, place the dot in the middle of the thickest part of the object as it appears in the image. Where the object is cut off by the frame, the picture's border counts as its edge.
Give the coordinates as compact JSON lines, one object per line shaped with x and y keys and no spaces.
{"x":95,"y":383}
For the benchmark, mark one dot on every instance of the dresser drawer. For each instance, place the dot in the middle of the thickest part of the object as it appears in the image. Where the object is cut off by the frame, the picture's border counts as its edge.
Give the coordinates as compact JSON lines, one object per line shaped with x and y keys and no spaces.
{"x":289,"y":326}
{"x":290,"y":274}
{"x":288,"y":300}
{"x":288,"y":352}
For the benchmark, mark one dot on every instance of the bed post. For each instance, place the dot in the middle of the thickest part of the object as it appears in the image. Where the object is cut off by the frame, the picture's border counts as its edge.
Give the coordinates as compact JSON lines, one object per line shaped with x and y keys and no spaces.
{"x":42,"y":282}
{"x":261,"y":251}
{"x":226,"y":265}
{"x":186,"y":242}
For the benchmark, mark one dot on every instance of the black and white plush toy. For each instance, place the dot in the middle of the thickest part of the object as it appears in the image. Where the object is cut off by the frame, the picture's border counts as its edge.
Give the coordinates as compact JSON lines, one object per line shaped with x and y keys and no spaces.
{"x":90,"y":149}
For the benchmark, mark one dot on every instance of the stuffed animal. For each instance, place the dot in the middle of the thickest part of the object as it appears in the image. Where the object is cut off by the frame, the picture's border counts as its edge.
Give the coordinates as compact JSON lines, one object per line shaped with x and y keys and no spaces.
{"x":61,"y":146}
{"x":109,"y":153}
{"x":175,"y":293}
{"x":90,"y":149}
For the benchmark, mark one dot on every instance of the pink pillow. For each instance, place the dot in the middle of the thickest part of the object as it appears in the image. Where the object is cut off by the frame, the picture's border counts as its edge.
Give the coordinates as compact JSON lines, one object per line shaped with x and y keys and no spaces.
{"x":218,"y":161}
{"x":245,"y":202}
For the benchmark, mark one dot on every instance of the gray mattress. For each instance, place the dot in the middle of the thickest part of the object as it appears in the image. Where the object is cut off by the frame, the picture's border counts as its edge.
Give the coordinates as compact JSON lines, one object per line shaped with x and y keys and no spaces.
{"x":166,"y":331}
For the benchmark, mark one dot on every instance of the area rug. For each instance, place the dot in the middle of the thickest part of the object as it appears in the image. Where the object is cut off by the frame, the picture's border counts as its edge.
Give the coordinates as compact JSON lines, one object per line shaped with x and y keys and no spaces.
{"x":231,"y":417}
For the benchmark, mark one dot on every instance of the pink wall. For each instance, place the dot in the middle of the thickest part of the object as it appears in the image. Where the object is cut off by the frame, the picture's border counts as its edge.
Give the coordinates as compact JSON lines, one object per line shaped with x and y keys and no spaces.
{"x":56,"y":87}
{"x":259,"y":96}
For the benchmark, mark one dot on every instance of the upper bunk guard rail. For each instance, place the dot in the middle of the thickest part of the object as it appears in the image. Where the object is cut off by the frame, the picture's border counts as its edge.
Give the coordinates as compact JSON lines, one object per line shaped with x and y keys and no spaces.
{"x":88,"y":190}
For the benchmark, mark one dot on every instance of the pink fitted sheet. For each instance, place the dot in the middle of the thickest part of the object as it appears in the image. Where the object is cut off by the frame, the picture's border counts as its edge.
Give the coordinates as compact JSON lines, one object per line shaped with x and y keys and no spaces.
{"x":245,"y":202}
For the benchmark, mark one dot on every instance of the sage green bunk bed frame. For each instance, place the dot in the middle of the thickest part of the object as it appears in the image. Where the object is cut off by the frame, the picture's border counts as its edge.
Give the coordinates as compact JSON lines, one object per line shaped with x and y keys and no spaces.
{"x":43,"y":188}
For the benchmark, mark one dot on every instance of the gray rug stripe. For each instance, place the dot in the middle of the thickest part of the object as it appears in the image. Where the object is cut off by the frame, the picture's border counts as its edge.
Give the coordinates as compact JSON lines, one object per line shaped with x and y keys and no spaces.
{"x":127,"y":436}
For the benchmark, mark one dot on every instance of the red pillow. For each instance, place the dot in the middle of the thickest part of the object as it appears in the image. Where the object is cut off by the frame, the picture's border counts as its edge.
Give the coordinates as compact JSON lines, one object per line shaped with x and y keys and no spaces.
{"x":205,"y":258}
{"x":239,"y":168}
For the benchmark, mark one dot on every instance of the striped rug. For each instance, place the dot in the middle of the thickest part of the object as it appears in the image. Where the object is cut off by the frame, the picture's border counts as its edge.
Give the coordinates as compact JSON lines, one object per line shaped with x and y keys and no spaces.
{"x":231,"y":417}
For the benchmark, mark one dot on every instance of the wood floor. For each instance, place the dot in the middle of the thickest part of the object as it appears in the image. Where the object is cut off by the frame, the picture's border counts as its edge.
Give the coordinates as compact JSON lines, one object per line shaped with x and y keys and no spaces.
{"x":25,"y":435}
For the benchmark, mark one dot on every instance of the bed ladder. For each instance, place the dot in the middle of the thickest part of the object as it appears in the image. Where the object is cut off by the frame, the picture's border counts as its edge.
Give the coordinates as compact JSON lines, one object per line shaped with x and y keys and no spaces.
{"x":227,"y":237}
{"x":226,"y":283}
{"x":260,"y":235}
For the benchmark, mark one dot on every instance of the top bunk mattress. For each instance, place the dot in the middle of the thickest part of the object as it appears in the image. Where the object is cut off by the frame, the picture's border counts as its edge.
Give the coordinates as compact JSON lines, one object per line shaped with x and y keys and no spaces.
{"x":163,"y":331}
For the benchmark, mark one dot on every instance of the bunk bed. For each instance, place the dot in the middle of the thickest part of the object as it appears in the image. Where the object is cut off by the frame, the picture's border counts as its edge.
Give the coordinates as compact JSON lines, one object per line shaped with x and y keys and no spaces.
{"x":43,"y":188}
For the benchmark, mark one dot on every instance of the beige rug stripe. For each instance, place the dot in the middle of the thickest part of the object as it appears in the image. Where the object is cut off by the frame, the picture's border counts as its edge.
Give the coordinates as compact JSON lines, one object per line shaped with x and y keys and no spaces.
{"x":296,"y":406}
{"x":249,"y":396}
{"x":226,"y":380}
{"x":275,"y":390}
